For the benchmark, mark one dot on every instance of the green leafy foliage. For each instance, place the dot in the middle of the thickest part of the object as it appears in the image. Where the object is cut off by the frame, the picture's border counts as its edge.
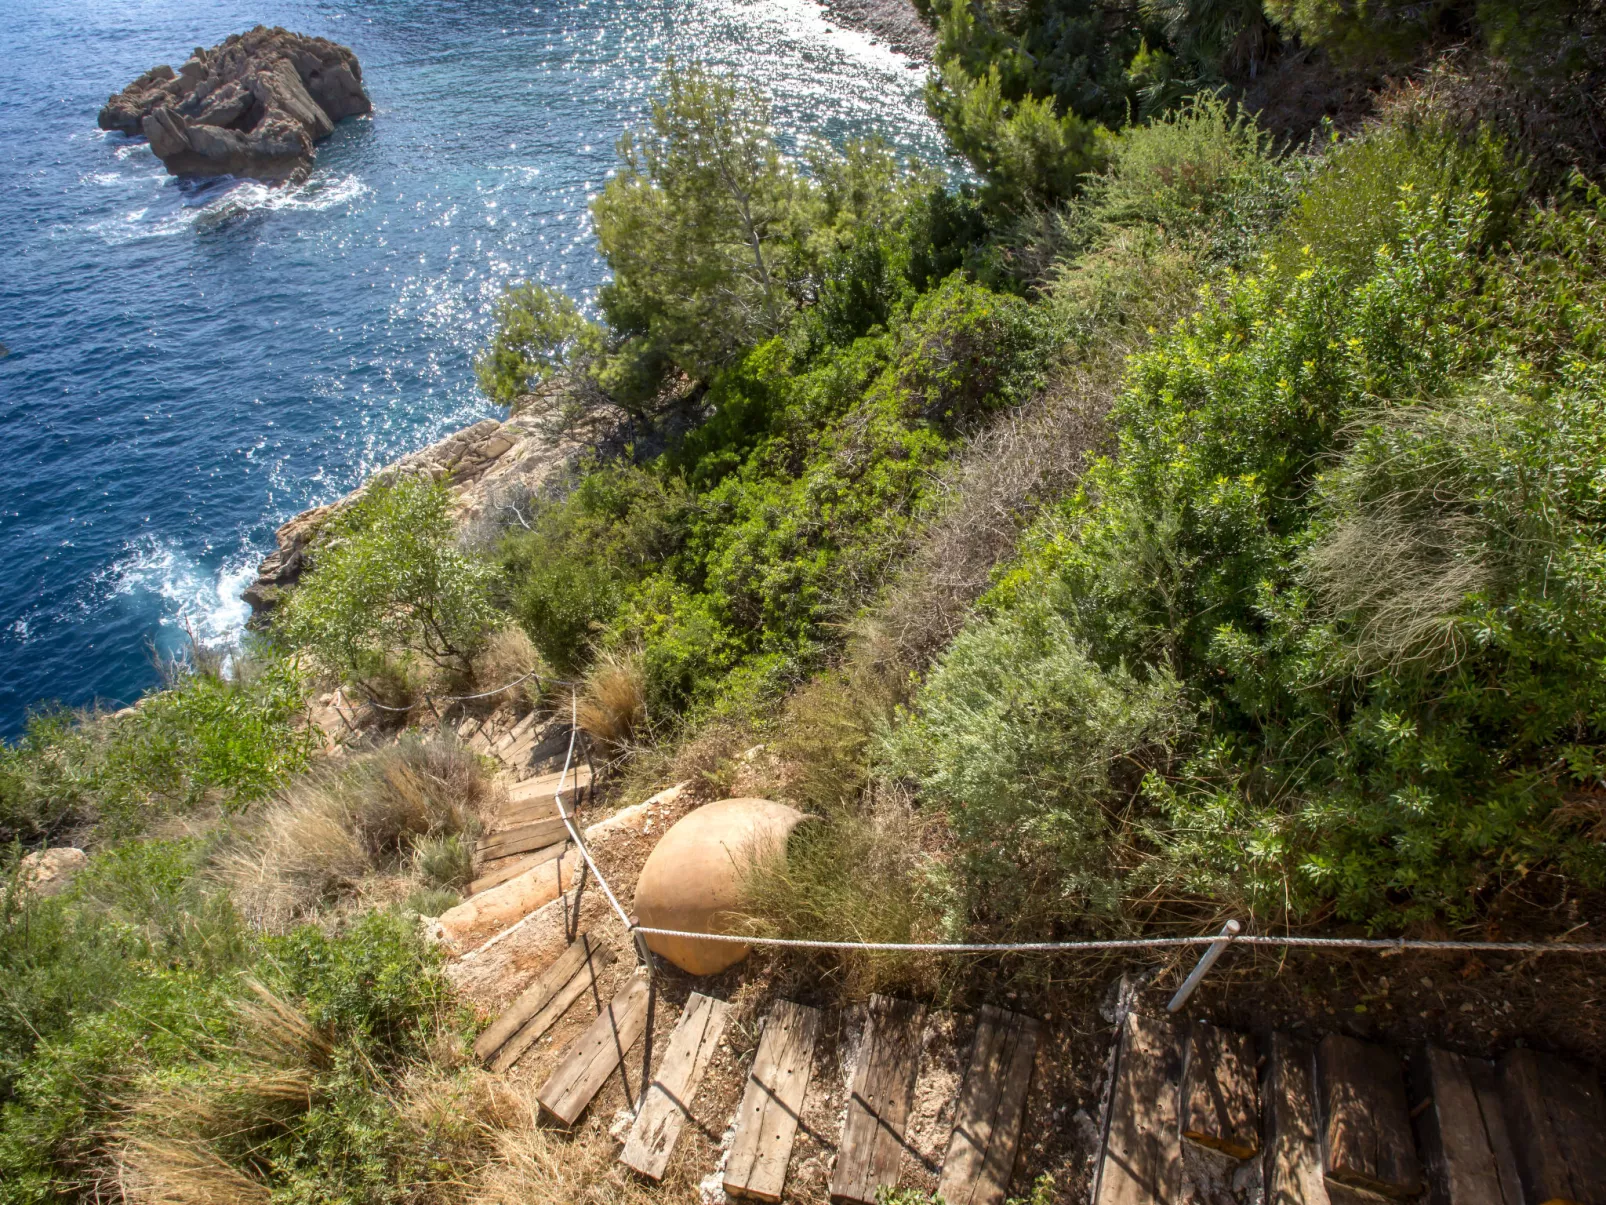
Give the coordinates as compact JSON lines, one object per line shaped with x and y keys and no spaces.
{"x":206,"y":738}
{"x":1336,"y":521}
{"x":539,"y":331}
{"x":388,"y":580}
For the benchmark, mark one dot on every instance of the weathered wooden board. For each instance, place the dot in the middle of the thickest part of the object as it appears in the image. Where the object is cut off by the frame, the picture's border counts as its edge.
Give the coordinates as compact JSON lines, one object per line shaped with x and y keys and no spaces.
{"x":1557,"y":1122}
{"x":596,"y":1054}
{"x":1366,"y":1123}
{"x":767,"y":1121}
{"x":1141,"y":1162}
{"x":992,"y":1107}
{"x":669,"y":1097}
{"x":879,"y":1101}
{"x":536,"y":996}
{"x":515,"y":814}
{"x":1293,"y":1168}
{"x":1220,"y":1097}
{"x":582,"y":981}
{"x":1462,"y":1128}
{"x":497,"y":871}
{"x":524,"y":838}
{"x":533,"y":790}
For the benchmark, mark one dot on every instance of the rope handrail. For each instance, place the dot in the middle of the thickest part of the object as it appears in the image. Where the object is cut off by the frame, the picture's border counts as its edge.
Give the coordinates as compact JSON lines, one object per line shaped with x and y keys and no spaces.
{"x":1132,"y":943}
{"x":1383,"y":944}
{"x":485,"y":694}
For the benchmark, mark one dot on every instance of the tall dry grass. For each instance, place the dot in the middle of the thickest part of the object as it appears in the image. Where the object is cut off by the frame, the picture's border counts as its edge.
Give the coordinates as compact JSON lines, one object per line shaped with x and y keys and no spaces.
{"x":336,"y":827}
{"x":508,"y":656}
{"x":613,"y":701}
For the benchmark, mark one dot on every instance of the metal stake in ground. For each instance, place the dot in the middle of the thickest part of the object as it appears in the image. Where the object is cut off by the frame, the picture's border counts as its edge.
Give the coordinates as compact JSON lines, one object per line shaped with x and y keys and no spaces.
{"x":1214,"y":951}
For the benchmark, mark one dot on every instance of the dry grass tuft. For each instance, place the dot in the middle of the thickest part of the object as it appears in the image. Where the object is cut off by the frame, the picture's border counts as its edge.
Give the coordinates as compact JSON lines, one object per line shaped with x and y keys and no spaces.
{"x":537,"y":1166}
{"x":507,"y":656}
{"x":166,"y":1172}
{"x":334,"y":828}
{"x":279,"y":1033}
{"x":856,"y":873}
{"x":1025,"y":459}
{"x":613,"y":701}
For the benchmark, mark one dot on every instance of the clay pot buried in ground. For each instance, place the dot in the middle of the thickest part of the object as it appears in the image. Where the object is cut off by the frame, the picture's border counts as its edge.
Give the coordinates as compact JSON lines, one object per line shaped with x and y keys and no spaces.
{"x":692,"y":879}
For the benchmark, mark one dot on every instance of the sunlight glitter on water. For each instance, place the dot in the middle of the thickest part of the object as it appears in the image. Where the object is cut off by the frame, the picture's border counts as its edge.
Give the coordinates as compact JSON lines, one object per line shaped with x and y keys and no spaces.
{"x":191,"y":364}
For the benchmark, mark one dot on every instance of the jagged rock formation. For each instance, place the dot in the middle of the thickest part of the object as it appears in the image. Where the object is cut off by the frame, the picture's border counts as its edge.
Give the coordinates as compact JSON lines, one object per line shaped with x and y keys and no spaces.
{"x":489,"y":466}
{"x":253,"y":105}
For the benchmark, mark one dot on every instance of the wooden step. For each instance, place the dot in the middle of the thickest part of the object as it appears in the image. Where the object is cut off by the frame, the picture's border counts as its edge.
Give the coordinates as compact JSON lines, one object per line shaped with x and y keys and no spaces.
{"x":1220,"y":1096}
{"x":596,"y":1054}
{"x":1462,"y":1127}
{"x":496,"y":871}
{"x":511,"y":737}
{"x":766,"y":1122}
{"x":883,"y":1092}
{"x":527,"y":813}
{"x":581,"y":982}
{"x":523,"y":839}
{"x":1557,"y":1122}
{"x":1366,"y":1123}
{"x":532,"y":790}
{"x":1141,"y":1160}
{"x":669,"y":1097}
{"x":991,"y":1110}
{"x":1293,"y":1166}
{"x":540,"y":992}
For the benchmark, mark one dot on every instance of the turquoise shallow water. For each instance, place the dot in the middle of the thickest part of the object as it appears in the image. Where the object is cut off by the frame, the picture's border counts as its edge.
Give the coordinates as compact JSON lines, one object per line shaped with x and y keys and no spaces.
{"x":189,"y":365}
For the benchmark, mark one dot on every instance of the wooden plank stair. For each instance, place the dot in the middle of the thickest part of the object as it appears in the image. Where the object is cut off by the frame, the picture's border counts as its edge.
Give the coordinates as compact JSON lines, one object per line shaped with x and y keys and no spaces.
{"x":767,"y":1120}
{"x":564,"y":988}
{"x":1141,"y":1163}
{"x":1557,"y":1123}
{"x":596,"y":1054}
{"x":991,"y":1110}
{"x":872,"y":1145}
{"x":674,"y":1086}
{"x":1220,"y":1098}
{"x":1366,"y":1122}
{"x":1461,"y":1126}
{"x":584,"y":954}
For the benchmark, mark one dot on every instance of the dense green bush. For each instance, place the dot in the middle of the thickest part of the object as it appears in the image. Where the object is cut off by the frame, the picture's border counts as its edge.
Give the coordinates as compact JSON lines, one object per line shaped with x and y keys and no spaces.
{"x":389,"y":581}
{"x":206,"y":738}
{"x":129,"y":1040}
{"x":1352,"y":515}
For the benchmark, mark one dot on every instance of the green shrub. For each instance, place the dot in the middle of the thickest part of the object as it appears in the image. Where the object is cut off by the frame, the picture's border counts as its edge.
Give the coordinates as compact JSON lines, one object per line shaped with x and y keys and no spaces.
{"x":1032,"y":750}
{"x":572,"y":568}
{"x":1349,"y":517}
{"x":205,"y":738}
{"x":388,"y":579}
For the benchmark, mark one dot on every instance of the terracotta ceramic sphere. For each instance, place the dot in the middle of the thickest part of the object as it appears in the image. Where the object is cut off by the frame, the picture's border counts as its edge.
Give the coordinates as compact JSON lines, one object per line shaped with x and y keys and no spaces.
{"x":692,"y":878}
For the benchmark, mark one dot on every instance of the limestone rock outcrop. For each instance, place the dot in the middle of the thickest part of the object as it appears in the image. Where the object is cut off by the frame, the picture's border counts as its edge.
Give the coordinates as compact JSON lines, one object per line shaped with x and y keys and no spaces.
{"x":692,"y":880}
{"x":48,"y":871}
{"x":253,"y":105}
{"x":490,"y":467}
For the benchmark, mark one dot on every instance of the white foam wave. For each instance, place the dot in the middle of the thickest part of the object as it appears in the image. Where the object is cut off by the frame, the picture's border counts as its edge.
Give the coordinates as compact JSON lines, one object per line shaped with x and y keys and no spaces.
{"x":194,"y":597}
{"x":225,"y":200}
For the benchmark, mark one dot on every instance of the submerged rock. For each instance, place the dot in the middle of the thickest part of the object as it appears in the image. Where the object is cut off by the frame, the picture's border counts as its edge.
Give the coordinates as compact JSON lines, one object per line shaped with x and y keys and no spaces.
{"x":253,"y":105}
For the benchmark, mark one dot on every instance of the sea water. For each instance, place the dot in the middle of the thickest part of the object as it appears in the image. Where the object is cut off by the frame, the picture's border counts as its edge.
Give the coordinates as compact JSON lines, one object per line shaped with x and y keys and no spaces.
{"x":186,"y":365}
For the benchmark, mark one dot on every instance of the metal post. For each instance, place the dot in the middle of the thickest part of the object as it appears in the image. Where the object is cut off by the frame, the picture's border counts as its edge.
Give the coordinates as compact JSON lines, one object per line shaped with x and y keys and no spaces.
{"x":652,"y":1002}
{"x":1212,"y":952}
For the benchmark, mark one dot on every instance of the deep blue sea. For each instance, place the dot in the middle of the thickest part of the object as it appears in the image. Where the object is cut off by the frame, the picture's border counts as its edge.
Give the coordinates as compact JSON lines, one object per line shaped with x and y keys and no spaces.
{"x":186,"y":366}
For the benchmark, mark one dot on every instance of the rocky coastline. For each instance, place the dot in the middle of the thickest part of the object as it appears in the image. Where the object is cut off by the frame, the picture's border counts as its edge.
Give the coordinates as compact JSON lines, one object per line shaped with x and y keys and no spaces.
{"x":255,"y":105}
{"x":491,"y":466}
{"x":896,"y":22}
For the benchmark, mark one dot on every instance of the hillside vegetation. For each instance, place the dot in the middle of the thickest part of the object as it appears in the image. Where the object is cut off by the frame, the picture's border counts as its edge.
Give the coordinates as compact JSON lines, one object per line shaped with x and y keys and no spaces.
{"x":1180,"y":517}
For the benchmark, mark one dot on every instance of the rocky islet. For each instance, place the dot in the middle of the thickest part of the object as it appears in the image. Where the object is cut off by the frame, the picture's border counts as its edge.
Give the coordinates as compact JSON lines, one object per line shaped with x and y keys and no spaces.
{"x":254,"y":105}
